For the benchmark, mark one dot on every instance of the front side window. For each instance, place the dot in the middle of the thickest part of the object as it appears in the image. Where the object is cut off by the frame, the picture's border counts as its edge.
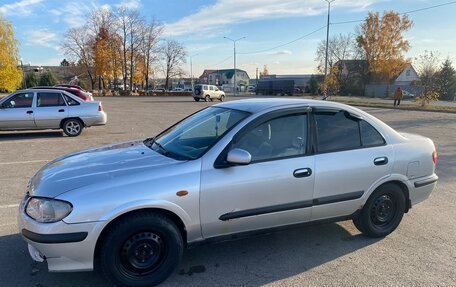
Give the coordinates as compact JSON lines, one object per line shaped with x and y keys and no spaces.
{"x":192,"y":137}
{"x":22,"y":100}
{"x":211,"y":88}
{"x":277,"y":138}
{"x":50,"y":100}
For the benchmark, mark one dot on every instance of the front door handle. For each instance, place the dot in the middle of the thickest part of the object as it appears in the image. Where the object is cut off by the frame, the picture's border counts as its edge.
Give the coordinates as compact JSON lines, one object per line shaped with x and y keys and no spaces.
{"x":302,"y":172}
{"x":61,"y":110}
{"x":29,"y":112}
{"x":381,"y":160}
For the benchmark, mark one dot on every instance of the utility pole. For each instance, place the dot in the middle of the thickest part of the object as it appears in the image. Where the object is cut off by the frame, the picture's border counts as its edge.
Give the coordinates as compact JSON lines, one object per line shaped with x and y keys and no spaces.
{"x":234,"y":50}
{"x":191,"y":69}
{"x":24,"y":84}
{"x":327,"y":40}
{"x":257,"y":75}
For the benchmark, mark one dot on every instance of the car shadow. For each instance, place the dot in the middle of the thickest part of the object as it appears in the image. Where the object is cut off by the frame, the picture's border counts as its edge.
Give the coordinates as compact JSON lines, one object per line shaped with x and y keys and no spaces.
{"x":11,"y":136}
{"x":253,"y":261}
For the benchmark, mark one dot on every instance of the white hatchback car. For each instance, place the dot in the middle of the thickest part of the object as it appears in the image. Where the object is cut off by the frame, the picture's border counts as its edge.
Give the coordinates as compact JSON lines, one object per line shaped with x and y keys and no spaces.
{"x":208,"y":93}
{"x":230,"y":170}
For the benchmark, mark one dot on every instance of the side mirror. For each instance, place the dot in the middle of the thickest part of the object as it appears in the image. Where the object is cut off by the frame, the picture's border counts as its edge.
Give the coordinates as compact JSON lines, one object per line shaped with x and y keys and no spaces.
{"x":239,"y":156}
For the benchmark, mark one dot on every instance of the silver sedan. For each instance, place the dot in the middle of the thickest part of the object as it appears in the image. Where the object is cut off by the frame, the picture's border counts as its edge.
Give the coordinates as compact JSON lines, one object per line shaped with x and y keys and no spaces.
{"x":49,"y":109}
{"x":230,"y":170}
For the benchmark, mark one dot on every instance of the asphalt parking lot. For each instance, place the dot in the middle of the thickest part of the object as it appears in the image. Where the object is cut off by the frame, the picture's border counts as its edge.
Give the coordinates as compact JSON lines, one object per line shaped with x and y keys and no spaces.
{"x":421,"y":252}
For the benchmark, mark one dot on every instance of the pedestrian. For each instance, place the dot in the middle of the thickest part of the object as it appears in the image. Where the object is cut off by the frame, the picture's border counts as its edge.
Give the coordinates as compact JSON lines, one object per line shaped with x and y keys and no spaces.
{"x":398,"y":96}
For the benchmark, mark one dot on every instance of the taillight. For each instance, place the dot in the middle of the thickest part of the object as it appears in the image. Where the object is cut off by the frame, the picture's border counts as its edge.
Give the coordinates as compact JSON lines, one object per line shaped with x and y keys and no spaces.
{"x":434,"y":157}
{"x":100,"y":108}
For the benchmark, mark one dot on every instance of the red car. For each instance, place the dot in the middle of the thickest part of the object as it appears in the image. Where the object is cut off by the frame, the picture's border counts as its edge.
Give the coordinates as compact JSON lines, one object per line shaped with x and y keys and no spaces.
{"x":77,"y":92}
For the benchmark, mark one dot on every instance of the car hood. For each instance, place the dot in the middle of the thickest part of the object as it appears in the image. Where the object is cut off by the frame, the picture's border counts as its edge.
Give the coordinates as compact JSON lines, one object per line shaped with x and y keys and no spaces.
{"x":94,"y":166}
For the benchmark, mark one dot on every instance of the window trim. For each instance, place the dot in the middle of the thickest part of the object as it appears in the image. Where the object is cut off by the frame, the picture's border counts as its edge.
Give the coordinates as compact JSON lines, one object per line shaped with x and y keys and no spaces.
{"x":360,"y":118}
{"x":220,"y":161}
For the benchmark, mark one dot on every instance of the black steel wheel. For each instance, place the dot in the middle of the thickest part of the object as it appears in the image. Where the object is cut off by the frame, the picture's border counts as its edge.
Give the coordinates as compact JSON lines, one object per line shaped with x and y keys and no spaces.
{"x":382,"y":212}
{"x":196,"y":99}
{"x":142,"y":249}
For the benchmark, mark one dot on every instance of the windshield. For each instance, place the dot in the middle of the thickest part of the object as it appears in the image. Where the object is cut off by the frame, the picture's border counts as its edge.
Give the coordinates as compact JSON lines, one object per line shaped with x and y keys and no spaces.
{"x":192,"y":137}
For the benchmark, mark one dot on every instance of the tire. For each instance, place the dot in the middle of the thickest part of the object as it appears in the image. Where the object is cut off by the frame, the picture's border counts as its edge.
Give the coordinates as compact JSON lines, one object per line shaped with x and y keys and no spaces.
{"x":72,"y":127}
{"x":196,"y":99}
{"x":382,"y":212}
{"x":124,"y":256}
{"x":222,"y":98}
{"x":207,"y":98}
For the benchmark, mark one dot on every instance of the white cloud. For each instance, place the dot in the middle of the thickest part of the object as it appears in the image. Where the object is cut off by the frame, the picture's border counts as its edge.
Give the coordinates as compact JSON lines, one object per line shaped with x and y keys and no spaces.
{"x":226,"y":12}
{"x":44,"y":38}
{"x":19,"y":8}
{"x":130,"y":4}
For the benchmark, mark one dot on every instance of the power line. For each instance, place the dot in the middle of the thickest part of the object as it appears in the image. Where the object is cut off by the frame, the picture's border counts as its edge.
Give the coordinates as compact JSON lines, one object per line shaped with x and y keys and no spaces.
{"x":222,"y":61}
{"x":287,"y":43}
{"x":403,"y":13}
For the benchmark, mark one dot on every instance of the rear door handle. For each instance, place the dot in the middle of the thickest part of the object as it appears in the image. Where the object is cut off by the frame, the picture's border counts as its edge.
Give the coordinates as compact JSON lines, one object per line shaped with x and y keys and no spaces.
{"x":61,"y":110}
{"x":381,"y":160}
{"x":302,"y":172}
{"x":29,"y":112}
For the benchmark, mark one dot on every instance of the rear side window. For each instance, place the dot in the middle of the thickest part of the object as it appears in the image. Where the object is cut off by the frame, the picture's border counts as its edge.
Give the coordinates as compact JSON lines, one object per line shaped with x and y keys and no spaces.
{"x":211,"y":88}
{"x":70,"y":101}
{"x":335,"y":132}
{"x":369,"y":135}
{"x":205,"y":88}
{"x":338,"y":131}
{"x":50,"y":100}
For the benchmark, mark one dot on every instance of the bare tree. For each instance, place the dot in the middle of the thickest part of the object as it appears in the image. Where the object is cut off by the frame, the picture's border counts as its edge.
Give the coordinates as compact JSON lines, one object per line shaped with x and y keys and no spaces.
{"x":173,"y":56}
{"x":77,"y":45}
{"x":149,"y":47}
{"x":341,"y":47}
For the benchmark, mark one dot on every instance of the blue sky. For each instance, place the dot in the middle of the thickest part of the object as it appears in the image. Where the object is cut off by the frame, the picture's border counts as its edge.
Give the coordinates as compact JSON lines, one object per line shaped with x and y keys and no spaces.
{"x":201,"y":25}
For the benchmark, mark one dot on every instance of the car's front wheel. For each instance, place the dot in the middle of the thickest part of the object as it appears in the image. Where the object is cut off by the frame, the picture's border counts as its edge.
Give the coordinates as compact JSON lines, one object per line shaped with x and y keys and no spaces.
{"x":72,"y":127}
{"x":383,"y":211}
{"x":222,"y":98}
{"x":142,"y":249}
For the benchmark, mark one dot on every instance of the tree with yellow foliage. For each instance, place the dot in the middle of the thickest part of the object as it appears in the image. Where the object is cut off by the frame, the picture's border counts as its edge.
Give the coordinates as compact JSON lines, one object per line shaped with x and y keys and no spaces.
{"x":384,"y":45}
{"x":10,"y":73}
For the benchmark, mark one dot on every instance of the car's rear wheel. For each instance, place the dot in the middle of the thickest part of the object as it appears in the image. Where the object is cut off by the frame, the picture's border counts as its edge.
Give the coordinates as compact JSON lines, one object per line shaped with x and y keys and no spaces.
{"x":141,"y":250}
{"x":383,"y":211}
{"x":196,"y":99}
{"x":207,"y":98}
{"x":222,"y":98}
{"x":72,"y":127}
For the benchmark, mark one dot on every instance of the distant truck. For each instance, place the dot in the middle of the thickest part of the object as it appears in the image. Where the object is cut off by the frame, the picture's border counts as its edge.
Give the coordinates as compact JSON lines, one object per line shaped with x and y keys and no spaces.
{"x":274,"y":87}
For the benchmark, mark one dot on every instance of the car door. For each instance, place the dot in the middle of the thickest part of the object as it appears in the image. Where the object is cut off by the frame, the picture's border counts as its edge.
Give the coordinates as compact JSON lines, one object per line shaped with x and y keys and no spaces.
{"x":50,"y":110}
{"x":351,"y":155}
{"x":274,"y":189}
{"x":16,"y":112}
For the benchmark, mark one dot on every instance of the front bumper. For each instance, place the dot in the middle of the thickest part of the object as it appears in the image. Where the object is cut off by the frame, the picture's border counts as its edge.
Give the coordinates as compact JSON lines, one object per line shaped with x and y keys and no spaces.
{"x":65,"y":247}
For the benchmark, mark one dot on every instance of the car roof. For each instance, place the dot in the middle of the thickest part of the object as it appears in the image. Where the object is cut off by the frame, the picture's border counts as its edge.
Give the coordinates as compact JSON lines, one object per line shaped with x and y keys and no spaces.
{"x":258,"y":105}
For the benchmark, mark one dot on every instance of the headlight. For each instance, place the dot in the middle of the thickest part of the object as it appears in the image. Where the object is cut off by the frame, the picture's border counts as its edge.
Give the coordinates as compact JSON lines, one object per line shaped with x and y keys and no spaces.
{"x":47,"y":210}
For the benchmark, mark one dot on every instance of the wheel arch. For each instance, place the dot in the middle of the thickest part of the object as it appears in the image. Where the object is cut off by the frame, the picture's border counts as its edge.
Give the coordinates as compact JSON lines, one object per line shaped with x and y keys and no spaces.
{"x":171,"y":215}
{"x":403,"y":186}
{"x":69,"y":118}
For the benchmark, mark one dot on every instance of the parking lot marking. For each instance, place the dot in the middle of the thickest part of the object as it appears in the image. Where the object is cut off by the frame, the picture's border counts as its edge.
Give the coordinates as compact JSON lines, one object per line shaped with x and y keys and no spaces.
{"x":24,"y":162}
{"x":9,"y":206}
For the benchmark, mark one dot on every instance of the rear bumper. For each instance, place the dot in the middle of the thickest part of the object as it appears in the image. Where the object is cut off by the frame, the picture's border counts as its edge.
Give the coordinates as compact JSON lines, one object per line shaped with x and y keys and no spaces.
{"x":100,"y":119}
{"x":422,"y":188}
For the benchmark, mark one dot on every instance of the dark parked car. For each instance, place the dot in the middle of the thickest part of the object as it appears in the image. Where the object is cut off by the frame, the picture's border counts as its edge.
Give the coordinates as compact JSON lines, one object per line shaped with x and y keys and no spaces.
{"x":78,"y":93}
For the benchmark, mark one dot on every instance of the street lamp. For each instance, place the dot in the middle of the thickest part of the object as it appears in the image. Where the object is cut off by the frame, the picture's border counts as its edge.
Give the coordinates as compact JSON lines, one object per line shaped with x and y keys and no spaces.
{"x":327,"y":37}
{"x":234,"y":46}
{"x":191,"y":68}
